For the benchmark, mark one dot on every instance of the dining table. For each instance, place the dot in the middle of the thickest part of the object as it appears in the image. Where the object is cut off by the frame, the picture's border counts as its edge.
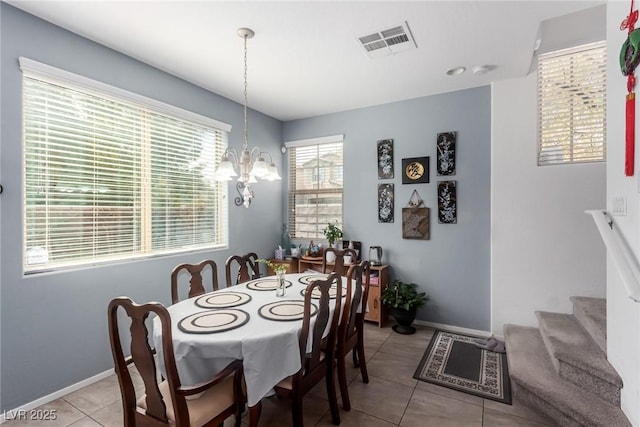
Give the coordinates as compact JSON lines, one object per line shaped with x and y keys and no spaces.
{"x":245,"y":322}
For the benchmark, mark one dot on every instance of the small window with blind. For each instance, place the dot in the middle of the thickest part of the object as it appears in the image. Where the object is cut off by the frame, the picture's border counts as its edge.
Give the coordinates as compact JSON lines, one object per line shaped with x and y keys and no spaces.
{"x":315,"y":185}
{"x":572,"y":105}
{"x":110,"y":175}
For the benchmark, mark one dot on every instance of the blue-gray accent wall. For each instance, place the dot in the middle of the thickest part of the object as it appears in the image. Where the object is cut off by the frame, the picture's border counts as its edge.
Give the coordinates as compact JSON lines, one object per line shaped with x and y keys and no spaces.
{"x":54,"y":326}
{"x":453,"y":266}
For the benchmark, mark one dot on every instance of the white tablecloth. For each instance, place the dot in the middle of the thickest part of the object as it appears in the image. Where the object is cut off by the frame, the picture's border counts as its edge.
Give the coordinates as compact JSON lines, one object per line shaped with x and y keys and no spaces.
{"x":269,"y":349}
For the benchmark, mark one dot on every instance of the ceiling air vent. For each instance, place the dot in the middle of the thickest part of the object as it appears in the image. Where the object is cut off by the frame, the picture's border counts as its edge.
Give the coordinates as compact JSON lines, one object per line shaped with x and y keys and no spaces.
{"x":388,"y":42}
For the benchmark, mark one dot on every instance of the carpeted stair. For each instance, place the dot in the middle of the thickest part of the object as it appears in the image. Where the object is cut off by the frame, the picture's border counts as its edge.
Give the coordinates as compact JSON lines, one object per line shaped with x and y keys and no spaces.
{"x":560,"y":369}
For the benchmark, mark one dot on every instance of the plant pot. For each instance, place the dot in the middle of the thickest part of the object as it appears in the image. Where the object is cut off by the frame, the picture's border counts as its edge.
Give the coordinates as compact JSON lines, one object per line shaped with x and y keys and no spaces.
{"x":331,"y":257}
{"x":404,"y":319}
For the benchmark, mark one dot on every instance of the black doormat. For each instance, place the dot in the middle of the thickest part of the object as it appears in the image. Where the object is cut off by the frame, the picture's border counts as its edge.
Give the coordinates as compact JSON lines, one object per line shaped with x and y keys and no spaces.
{"x":452,"y":360}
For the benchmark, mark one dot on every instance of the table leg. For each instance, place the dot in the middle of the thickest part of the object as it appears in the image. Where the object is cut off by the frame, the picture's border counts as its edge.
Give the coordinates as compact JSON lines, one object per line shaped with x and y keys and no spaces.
{"x":254,"y":414}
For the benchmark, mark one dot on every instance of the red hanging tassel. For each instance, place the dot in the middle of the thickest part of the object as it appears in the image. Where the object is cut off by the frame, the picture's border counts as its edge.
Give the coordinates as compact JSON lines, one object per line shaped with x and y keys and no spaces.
{"x":630,"y":116}
{"x":630,"y":136}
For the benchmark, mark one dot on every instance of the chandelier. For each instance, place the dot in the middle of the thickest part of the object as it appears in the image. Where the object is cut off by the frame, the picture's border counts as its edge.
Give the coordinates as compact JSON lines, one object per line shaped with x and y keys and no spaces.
{"x":249,"y":163}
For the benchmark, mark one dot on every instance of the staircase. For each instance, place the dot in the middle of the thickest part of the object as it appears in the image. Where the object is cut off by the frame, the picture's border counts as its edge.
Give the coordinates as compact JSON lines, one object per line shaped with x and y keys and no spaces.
{"x":560,"y":368}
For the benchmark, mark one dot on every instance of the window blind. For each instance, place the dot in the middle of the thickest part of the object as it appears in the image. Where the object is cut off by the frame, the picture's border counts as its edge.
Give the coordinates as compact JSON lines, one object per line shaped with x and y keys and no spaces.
{"x":572,"y":105}
{"x":315,"y":188}
{"x":108,"y":179}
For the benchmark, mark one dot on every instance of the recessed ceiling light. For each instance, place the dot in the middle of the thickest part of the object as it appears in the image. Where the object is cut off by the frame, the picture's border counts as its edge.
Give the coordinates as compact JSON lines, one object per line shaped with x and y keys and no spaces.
{"x":479,"y":70}
{"x":456,"y":70}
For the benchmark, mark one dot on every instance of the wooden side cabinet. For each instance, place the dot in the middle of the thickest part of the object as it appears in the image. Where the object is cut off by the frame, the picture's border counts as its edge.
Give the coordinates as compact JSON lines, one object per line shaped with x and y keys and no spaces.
{"x":291,"y":263}
{"x":376,"y":311}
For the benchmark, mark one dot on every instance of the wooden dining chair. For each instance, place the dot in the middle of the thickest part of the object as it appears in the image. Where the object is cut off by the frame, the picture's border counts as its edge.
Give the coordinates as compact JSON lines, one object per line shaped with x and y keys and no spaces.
{"x":246,"y":265}
{"x":338,"y":265}
{"x":196,"y":286}
{"x":351,"y":327}
{"x":166,"y":402}
{"x":318,"y":363}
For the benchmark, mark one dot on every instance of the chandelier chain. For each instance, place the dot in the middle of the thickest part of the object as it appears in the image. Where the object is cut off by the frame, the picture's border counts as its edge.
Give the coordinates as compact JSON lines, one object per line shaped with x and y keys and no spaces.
{"x":246,"y":102}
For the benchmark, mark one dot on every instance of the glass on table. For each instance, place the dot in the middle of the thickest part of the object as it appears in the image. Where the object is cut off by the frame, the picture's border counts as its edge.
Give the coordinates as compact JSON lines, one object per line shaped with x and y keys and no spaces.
{"x":281,"y":287}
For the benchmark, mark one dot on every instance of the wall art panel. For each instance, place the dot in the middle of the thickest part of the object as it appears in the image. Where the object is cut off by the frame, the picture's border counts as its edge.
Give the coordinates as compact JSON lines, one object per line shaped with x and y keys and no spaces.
{"x":446,"y":157}
{"x":385,"y":158}
{"x":447,"y":202}
{"x":385,"y":203}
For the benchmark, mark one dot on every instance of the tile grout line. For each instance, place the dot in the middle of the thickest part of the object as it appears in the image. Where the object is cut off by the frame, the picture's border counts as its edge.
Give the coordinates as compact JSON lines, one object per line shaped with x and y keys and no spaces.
{"x":407,"y":405}
{"x":81,"y":411}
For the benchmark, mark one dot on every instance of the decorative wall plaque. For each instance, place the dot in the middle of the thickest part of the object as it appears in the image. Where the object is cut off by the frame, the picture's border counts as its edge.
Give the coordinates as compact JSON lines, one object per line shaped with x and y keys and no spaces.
{"x":415,"y":170}
{"x":446,"y":158}
{"x":447,"y":202}
{"x":385,"y":158}
{"x":385,"y":203}
{"x":415,"y":223}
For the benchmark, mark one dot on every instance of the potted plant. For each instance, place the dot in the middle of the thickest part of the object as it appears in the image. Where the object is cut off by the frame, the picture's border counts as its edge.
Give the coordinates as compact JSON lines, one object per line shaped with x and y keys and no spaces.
{"x":332,"y":233}
{"x":403,"y":300}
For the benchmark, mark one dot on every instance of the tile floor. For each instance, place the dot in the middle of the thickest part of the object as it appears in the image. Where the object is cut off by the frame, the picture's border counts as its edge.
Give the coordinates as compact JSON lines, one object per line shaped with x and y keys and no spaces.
{"x":392,"y":397}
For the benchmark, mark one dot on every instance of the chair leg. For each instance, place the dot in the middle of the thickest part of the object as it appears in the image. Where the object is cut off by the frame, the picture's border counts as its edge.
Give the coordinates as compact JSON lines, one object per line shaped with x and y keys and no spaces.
{"x":363,"y":361}
{"x":239,"y":410}
{"x":333,"y":398}
{"x":296,"y":410}
{"x":356,"y":362}
{"x":342,"y":380}
{"x":254,"y":414}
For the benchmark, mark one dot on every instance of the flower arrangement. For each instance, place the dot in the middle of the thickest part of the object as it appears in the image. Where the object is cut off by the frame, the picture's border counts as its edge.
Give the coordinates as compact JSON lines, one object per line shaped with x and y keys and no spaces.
{"x":332,"y":233}
{"x":276,"y":267}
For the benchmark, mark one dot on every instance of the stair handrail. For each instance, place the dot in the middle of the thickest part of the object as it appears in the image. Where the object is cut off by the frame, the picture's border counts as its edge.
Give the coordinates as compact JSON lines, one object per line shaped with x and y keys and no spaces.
{"x":622,"y":255}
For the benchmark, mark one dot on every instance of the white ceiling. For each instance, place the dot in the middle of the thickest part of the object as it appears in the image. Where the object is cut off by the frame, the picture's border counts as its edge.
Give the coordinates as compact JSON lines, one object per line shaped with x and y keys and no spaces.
{"x":305,"y":59}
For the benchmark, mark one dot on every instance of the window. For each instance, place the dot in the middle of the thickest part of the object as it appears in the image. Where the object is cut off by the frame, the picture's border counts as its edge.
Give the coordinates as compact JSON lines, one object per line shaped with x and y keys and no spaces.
{"x":315,"y":185}
{"x":572,"y":105}
{"x":110,"y":175}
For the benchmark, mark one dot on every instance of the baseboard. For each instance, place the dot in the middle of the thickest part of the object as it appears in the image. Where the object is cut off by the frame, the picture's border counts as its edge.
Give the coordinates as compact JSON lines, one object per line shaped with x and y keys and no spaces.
{"x":13,"y":413}
{"x":457,"y":329}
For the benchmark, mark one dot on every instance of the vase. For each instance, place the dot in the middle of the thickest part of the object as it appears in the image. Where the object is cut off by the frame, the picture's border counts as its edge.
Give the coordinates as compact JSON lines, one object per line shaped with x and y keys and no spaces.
{"x":331,"y":256}
{"x":281,"y":288}
{"x":404,"y":319}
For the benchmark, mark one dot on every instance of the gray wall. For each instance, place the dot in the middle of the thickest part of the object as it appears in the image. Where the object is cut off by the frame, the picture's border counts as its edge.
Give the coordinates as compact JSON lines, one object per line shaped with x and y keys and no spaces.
{"x":53,"y":326}
{"x":453,"y":266}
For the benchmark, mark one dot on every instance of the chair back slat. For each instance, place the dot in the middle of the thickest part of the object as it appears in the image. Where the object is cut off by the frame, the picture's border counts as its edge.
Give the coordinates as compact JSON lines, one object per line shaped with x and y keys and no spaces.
{"x":247,"y":266}
{"x":196,"y":286}
{"x":338,"y":265}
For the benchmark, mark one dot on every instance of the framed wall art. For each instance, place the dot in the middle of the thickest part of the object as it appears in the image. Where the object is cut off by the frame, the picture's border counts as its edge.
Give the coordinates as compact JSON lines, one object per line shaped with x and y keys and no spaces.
{"x":446,"y":153}
{"x":447,"y":202}
{"x":385,"y":203}
{"x":385,"y":158}
{"x":415,"y":223}
{"x":415,"y":170}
